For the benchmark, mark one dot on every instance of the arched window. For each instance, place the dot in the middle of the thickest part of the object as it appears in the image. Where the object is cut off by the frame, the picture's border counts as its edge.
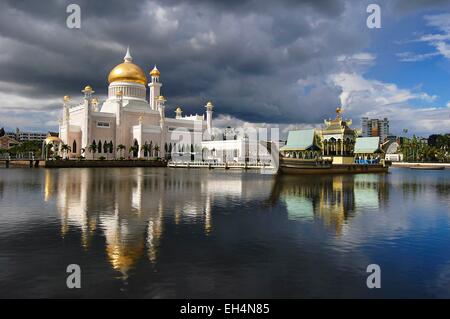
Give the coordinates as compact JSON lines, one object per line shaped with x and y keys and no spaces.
{"x":99,"y":147}
{"x":111,"y":147}
{"x":74,"y":146}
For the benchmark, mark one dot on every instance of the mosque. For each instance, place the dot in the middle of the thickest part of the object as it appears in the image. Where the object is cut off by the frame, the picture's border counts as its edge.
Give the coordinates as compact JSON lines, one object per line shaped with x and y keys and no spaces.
{"x":128,"y":120}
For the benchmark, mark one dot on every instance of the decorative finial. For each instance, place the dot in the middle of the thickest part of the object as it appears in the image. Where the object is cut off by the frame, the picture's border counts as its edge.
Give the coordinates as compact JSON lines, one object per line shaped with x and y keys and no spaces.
{"x":66,"y":98}
{"x":209,"y":105}
{"x":155,"y":71}
{"x":128,"y":57}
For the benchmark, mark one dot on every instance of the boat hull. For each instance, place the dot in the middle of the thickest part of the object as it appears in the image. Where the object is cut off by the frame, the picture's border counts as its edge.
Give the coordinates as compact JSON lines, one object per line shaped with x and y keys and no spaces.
{"x":294,"y":166}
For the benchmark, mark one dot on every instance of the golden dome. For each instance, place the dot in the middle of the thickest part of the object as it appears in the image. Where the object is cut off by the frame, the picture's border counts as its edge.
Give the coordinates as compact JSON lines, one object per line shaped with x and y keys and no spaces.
{"x":52,"y":139}
{"x":127,"y":72}
{"x":178,"y":110}
{"x":87,"y":88}
{"x":155,"y":72}
{"x":66,"y":98}
{"x":161,"y":98}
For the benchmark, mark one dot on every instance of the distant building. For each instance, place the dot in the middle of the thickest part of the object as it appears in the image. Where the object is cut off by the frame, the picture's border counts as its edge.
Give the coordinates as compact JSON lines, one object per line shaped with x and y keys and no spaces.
{"x":20,"y":136}
{"x":375,"y":127}
{"x":7,"y":142}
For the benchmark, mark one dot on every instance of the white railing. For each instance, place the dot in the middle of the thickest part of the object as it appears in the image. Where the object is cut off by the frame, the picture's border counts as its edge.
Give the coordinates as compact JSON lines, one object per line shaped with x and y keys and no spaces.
{"x":218,"y":164}
{"x":18,"y":157}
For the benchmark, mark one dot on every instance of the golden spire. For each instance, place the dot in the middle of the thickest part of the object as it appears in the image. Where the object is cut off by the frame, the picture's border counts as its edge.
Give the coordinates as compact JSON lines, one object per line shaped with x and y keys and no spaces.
{"x":155,"y":71}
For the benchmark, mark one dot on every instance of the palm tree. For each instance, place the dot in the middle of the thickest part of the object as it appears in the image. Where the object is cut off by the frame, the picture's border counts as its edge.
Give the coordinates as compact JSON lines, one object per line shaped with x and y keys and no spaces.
{"x":146,"y":149}
{"x":120,"y":149}
{"x":92,"y":149}
{"x":65,"y":149}
{"x":132,"y":150}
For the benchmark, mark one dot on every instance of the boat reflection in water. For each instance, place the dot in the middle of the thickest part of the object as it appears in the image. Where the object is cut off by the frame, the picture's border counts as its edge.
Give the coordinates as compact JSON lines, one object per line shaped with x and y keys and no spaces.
{"x":331,"y":199}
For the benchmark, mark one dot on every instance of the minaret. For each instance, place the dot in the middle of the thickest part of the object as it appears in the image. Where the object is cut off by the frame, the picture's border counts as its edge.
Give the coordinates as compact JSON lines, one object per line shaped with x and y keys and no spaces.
{"x":87,"y":111}
{"x":178,"y":112}
{"x":160,"y":106}
{"x":66,"y":101}
{"x":209,"y":111}
{"x":162,"y":122}
{"x":64,"y":127}
{"x":119,"y":104}
{"x":155,"y":87}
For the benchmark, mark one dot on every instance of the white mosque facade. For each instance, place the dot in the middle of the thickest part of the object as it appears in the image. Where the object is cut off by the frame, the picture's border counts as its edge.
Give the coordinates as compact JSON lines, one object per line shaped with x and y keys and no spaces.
{"x":127,"y":118}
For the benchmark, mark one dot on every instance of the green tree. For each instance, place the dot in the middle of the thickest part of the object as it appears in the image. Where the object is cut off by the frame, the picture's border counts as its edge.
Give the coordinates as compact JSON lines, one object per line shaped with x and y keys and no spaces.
{"x":92,"y":149}
{"x":146,"y":148}
{"x":65,"y":149}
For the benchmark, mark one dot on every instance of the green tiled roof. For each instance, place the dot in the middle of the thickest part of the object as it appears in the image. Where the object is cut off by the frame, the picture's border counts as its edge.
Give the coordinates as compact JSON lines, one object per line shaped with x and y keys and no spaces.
{"x":367,"y":145}
{"x":299,"y":140}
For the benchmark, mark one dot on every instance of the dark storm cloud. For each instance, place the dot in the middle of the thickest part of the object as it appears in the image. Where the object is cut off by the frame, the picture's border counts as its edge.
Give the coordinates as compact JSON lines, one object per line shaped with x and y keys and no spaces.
{"x":247,"y":56}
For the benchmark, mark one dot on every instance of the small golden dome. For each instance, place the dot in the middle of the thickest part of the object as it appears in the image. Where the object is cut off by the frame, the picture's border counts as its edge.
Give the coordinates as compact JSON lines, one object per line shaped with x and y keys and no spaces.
{"x":155,"y":72}
{"x":66,"y":98}
{"x":51,"y":139}
{"x":178,"y":110}
{"x":161,"y":98}
{"x":209,"y":104}
{"x":87,"y":88}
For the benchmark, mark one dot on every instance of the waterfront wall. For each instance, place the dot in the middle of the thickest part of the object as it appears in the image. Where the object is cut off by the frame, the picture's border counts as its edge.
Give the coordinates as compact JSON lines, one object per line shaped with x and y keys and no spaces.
{"x":104,"y":163}
{"x":409,"y":164}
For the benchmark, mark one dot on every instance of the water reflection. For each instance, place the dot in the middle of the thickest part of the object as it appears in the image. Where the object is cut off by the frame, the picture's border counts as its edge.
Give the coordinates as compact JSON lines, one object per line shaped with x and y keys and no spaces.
{"x":334,"y":200}
{"x":199,"y":233}
{"x":129,"y":208}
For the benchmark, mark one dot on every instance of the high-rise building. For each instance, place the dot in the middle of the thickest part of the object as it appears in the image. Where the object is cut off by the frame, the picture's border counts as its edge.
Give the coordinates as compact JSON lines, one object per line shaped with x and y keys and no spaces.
{"x":375,"y":127}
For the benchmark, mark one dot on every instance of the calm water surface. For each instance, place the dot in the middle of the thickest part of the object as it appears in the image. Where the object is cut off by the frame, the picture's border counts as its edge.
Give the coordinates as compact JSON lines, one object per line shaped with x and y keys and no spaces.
{"x":165,"y":233}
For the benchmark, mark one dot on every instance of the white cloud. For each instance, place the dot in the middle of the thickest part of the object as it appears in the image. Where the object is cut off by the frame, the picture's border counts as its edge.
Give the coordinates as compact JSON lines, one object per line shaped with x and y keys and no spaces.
{"x":414,"y":57}
{"x":367,"y":97}
{"x":438,"y":40}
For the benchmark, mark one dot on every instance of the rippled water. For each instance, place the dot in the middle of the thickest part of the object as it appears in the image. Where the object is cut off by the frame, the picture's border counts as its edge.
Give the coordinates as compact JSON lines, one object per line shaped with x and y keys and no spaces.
{"x":163,"y":233}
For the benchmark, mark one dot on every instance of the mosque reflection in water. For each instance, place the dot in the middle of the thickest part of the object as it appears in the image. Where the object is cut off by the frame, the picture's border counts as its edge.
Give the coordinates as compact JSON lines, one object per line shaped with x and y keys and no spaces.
{"x":130,"y":208}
